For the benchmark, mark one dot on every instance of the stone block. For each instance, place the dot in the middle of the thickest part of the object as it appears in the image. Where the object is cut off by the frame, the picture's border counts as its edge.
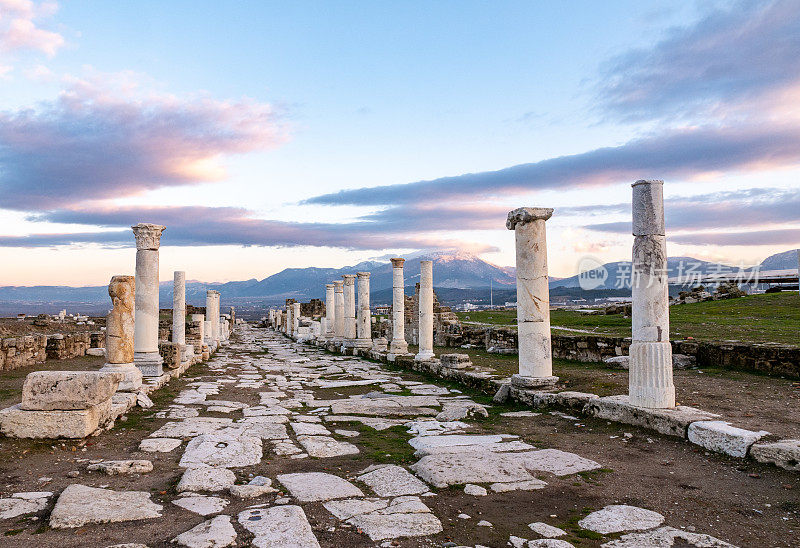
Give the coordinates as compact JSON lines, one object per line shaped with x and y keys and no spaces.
{"x":672,"y":422}
{"x":16,"y":422}
{"x":721,"y":437}
{"x":67,"y":390}
{"x":783,"y":453}
{"x":455,"y":361}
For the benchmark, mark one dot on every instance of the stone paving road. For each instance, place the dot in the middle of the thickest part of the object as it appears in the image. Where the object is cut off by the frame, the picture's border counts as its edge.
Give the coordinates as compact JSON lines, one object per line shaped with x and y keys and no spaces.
{"x":283,"y":445}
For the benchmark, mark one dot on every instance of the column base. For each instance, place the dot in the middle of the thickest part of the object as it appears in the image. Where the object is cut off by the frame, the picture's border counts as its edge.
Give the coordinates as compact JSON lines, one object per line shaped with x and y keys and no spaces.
{"x":398,"y":346}
{"x":532,"y":383}
{"x":362,"y":343}
{"x":650,"y":375}
{"x":424,"y":356}
{"x":149,"y":363}
{"x":131,"y":376}
{"x":380,"y":345}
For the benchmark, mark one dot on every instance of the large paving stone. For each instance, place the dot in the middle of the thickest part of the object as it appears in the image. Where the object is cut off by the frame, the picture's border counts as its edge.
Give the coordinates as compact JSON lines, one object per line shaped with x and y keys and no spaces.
{"x":279,"y":527}
{"x":672,"y":422}
{"x":666,"y":537}
{"x":191,"y":427}
{"x":403,"y":517}
{"x":783,"y":453}
{"x":80,"y":505}
{"x":122,"y":467}
{"x":67,"y":390}
{"x":214,"y":533}
{"x":159,"y":445}
{"x":559,"y":463}
{"x":442,"y":470}
{"x":393,"y":481}
{"x":620,"y":517}
{"x":206,"y":479}
{"x":318,"y":486}
{"x":325,"y":446}
{"x":201,"y":504}
{"x":721,"y":437}
{"x":19,"y":504}
{"x":222,"y":449}
{"x":16,"y":422}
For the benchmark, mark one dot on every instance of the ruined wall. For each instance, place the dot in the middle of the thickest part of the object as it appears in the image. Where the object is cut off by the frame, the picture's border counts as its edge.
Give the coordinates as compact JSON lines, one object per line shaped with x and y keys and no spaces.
{"x":32,"y":349}
{"x":314,"y":309}
{"x":64,"y":347}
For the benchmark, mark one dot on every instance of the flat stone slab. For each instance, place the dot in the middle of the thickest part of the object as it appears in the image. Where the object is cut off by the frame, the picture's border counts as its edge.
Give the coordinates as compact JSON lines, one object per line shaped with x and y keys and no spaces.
{"x":667,"y":536}
{"x":783,"y":453}
{"x":16,"y":422}
{"x":122,"y":467}
{"x":544,"y":530}
{"x":67,"y":390}
{"x":526,"y":485}
{"x":80,"y":505}
{"x":347,"y":508}
{"x":309,"y":429}
{"x":20,"y":504}
{"x":318,"y":486}
{"x":441,"y":470}
{"x":375,"y":423}
{"x":191,"y":427}
{"x":222,"y":449}
{"x":559,"y":463}
{"x":326,"y":447}
{"x":214,"y":533}
{"x":201,"y":504}
{"x":672,"y":422}
{"x":617,"y":518}
{"x":721,"y":437}
{"x":393,"y":481}
{"x":206,"y":479}
{"x":473,"y":441}
{"x":159,"y":445}
{"x":279,"y":527}
{"x":403,"y":517}
{"x":550,"y":543}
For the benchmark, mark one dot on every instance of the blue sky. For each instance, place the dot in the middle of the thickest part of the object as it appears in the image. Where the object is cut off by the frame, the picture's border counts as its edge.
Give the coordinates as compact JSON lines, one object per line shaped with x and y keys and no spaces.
{"x":249,"y":128}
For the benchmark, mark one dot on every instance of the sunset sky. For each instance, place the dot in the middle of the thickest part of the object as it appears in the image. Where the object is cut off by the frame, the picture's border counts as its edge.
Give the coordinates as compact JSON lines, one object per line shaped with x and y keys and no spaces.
{"x":268,"y":135}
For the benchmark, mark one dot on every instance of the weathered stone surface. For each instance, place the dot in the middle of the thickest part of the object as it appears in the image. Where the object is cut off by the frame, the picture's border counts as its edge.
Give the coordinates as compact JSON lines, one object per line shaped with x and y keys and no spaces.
{"x":325,"y":446}
{"x":214,"y":533}
{"x":460,"y":410}
{"x":191,"y":427}
{"x":67,"y":390}
{"x":80,"y":505}
{"x":617,"y":518}
{"x":222,"y":449}
{"x":666,"y":537}
{"x":393,"y":481}
{"x":309,"y":429}
{"x":405,"y":516}
{"x":16,"y":422}
{"x":279,"y":527}
{"x":672,"y":422}
{"x":122,"y":467}
{"x":347,"y":508}
{"x":251,"y":491}
{"x":201,"y":504}
{"x":721,"y":437}
{"x":159,"y":445}
{"x":544,"y":530}
{"x":527,"y":485}
{"x":475,"y":490}
{"x":783,"y":453}
{"x":560,"y":463}
{"x":206,"y":478}
{"x":19,"y":504}
{"x":120,"y":321}
{"x":318,"y":486}
{"x":549,"y":543}
{"x":441,"y":470}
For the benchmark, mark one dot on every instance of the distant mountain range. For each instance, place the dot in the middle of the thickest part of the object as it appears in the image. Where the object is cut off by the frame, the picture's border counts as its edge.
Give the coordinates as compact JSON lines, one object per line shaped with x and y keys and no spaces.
{"x":452,"y":270}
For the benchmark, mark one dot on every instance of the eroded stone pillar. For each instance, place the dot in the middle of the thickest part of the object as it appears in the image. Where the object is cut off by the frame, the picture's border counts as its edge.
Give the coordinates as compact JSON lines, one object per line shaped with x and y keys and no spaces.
{"x":364,"y":316}
{"x":650,"y":375}
{"x":212,"y":318}
{"x":533,"y":297}
{"x":145,"y":345}
{"x":330,"y":311}
{"x":338,"y":292}
{"x":425,"y":311}
{"x":120,"y":333}
{"x":179,"y":313}
{"x":349,"y":308}
{"x":296,"y":319}
{"x":398,"y":345}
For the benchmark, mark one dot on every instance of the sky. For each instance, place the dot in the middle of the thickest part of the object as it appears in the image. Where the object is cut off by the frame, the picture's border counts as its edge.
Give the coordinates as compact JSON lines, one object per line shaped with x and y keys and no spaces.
{"x":268,"y":135}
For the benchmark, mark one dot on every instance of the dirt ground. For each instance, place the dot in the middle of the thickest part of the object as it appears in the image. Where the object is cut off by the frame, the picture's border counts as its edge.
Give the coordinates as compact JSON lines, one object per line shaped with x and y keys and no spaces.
{"x":741,"y":502}
{"x":11,"y":327}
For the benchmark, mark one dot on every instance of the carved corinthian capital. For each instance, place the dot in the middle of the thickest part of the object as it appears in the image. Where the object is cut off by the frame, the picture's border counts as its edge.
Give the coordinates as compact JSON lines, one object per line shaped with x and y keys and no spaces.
{"x":148,"y":236}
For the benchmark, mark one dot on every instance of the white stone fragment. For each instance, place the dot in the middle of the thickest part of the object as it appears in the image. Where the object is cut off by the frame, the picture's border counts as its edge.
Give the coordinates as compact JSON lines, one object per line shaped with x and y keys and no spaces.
{"x":222,"y":449}
{"x":403,"y":517}
{"x":783,"y":453}
{"x":206,"y":478}
{"x":347,"y":508}
{"x":544,"y":530}
{"x":251,"y":491}
{"x":122,"y":467}
{"x":201,"y":504}
{"x":721,"y":437}
{"x":159,"y":445}
{"x":617,"y":518}
{"x":318,"y":486}
{"x":80,"y":505}
{"x":191,"y":427}
{"x":666,"y":537}
{"x":559,"y":463}
{"x":325,"y":446}
{"x":309,"y":429}
{"x":279,"y":527}
{"x":214,"y":533}
{"x":23,"y":503}
{"x":549,"y":543}
{"x":526,"y":485}
{"x":393,"y":481}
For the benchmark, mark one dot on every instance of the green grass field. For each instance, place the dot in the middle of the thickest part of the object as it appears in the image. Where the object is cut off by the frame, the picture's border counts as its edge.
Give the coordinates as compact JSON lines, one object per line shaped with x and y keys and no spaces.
{"x":755,"y":318}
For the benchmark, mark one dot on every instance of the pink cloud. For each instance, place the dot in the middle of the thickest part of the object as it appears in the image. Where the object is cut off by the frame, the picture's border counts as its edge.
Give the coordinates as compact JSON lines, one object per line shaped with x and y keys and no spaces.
{"x":19,"y":30}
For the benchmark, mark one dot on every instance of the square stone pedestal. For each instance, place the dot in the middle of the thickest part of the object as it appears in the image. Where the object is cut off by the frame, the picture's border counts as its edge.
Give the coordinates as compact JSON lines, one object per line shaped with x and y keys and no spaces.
{"x":149,"y":363}
{"x":16,"y":422}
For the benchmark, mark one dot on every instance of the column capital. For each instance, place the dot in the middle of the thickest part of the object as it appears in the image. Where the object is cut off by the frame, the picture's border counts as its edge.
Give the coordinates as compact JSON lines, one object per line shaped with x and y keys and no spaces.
{"x":397,"y":262}
{"x":329,"y":286}
{"x":525,"y":215}
{"x":349,"y":279}
{"x":337,"y":285}
{"x":148,"y":236}
{"x":363,"y":275}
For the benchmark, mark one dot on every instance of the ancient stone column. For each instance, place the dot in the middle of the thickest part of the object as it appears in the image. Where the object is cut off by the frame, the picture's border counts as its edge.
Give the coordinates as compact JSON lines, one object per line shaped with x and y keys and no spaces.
{"x":120,"y":333}
{"x":349,"y":308}
{"x":179,"y":312}
{"x":533,"y":297}
{"x":330,"y":311}
{"x":364,"y":316}
{"x":338,"y":292}
{"x":212,"y":317}
{"x":145,"y":345}
{"x":398,"y":345}
{"x":650,"y":374}
{"x":425,"y":311}
{"x":295,"y":319}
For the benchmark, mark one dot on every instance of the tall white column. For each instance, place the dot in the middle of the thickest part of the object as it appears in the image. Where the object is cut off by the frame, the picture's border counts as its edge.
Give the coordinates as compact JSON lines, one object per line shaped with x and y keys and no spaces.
{"x":295,"y":319}
{"x":330,"y":311}
{"x":145,"y":339}
{"x":349,"y":308}
{"x":212,"y":317}
{"x":650,"y":375}
{"x":179,"y":311}
{"x":287,"y":323}
{"x":425,"y":311}
{"x":398,"y":345}
{"x":533,"y":297}
{"x":216,"y":319}
{"x":338,"y":292}
{"x":364,"y":315}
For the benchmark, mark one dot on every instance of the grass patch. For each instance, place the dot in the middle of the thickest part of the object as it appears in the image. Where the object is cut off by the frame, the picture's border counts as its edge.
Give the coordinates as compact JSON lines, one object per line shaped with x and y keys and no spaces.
{"x":388,"y":446}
